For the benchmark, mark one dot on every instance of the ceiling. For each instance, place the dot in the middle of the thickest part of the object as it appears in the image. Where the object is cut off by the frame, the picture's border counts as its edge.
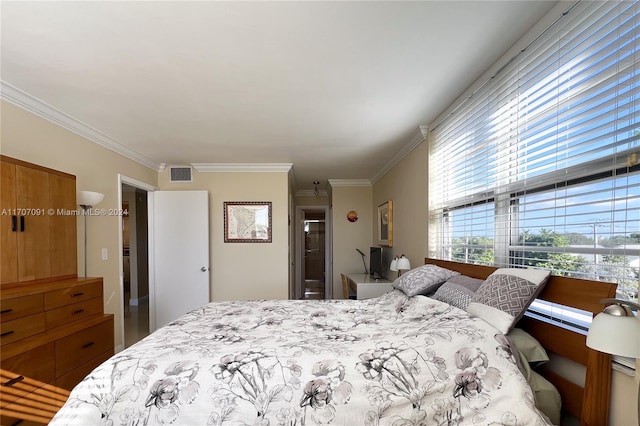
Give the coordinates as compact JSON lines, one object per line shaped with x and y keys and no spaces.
{"x":336,"y":88}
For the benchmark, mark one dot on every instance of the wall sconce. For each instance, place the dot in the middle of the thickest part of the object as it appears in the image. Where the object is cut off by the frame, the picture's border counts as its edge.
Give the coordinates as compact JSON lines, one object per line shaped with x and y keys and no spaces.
{"x":86,"y":200}
{"x":616,"y":331}
{"x":315,"y":188}
{"x":400,"y":264}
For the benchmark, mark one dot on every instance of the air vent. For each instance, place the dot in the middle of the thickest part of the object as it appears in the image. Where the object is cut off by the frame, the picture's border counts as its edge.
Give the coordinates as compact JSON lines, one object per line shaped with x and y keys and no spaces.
{"x":180,"y":174}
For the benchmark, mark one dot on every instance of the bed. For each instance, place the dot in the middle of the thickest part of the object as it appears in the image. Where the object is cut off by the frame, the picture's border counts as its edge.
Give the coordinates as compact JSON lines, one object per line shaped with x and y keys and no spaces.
{"x":588,"y":403}
{"x":393,"y":360}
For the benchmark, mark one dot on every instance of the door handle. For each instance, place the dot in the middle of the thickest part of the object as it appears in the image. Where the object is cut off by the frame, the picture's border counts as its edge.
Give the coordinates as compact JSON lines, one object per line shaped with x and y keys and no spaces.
{"x":204,"y":269}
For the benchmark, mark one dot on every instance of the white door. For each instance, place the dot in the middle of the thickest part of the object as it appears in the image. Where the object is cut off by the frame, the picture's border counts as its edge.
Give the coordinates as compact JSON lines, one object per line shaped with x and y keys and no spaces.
{"x":180,"y":254}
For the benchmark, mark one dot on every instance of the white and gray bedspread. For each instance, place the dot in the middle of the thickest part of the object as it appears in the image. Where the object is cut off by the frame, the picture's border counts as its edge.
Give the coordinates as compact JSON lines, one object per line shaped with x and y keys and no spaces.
{"x":391,"y":360}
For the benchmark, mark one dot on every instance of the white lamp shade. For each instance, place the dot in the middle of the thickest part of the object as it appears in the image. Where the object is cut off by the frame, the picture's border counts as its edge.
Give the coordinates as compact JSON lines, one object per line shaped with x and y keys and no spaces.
{"x":394,"y":264}
{"x":616,"y":335}
{"x":89,"y":198}
{"x":404,"y":264}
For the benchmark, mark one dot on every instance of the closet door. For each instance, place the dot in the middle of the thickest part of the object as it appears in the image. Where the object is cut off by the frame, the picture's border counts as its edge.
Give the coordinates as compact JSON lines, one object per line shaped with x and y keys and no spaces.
{"x":8,"y":224}
{"x":32,"y":189}
{"x":180,"y":254}
{"x":62,"y":226}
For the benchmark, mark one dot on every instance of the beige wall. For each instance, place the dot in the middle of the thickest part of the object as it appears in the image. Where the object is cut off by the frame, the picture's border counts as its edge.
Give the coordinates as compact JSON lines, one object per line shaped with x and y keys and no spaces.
{"x":624,"y":398}
{"x":406,"y":185}
{"x":243,"y":271}
{"x":30,"y":138}
{"x":347,"y":236}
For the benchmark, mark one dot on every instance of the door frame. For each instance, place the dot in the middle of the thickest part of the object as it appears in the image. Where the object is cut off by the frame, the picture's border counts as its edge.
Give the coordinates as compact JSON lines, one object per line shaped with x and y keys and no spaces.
{"x":328,"y":269}
{"x":123,"y":179}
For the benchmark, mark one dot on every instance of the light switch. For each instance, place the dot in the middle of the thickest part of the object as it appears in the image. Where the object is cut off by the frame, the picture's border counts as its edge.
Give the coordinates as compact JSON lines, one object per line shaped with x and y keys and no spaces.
{"x":105,"y":254}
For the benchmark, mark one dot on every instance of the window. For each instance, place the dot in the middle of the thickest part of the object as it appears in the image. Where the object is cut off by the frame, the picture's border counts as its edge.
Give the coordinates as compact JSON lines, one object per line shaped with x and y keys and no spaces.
{"x":539,"y":166}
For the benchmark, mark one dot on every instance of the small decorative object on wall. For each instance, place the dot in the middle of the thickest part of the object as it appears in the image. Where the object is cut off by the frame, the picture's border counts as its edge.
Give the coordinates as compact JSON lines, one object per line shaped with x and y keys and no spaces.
{"x":385,"y":224}
{"x":352,"y":216}
{"x":247,"y":221}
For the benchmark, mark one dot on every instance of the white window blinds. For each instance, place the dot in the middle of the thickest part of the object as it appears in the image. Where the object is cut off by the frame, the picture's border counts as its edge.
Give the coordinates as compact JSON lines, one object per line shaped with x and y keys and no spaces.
{"x":539,"y":166}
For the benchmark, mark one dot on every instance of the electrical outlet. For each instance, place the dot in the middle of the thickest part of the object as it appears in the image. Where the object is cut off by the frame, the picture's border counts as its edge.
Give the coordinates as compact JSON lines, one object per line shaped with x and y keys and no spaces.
{"x":105,"y":254}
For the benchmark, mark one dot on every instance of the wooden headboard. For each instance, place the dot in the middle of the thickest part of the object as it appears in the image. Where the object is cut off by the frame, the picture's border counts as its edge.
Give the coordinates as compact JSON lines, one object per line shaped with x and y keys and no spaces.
{"x":589,"y":403}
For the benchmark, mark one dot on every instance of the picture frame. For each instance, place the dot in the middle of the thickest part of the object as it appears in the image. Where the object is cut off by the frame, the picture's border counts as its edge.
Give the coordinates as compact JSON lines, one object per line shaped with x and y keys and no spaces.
{"x":247,"y":222}
{"x":385,"y":224}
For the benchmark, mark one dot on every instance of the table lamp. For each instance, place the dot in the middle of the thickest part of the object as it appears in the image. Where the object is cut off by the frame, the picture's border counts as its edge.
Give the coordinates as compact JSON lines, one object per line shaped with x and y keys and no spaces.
{"x":400,"y":264}
{"x":616,"y":331}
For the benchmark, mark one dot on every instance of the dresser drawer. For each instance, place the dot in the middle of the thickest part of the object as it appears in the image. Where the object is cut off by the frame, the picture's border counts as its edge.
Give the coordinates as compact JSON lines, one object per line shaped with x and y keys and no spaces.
{"x":76,"y":349}
{"x":20,"y":372}
{"x":17,"y":329}
{"x":75,"y":376}
{"x":38,"y":363}
{"x":79,"y":293}
{"x":74,"y":312}
{"x":19,"y":307}
{"x":30,"y":399}
{"x":13,"y":387}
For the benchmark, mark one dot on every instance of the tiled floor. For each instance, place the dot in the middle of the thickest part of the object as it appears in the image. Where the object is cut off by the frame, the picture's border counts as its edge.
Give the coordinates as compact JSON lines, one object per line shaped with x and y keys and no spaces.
{"x":313,"y":289}
{"x":136,"y":323}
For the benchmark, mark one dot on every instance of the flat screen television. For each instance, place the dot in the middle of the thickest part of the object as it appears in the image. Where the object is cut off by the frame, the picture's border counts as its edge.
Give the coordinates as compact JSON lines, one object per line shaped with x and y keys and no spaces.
{"x":379,"y":261}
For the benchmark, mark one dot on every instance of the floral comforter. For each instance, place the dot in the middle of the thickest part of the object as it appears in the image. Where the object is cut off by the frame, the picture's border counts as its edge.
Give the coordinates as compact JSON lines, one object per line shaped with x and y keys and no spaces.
{"x":391,"y":360}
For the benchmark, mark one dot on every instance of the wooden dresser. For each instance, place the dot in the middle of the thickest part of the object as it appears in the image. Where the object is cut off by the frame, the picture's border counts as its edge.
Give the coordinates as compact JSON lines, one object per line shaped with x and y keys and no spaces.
{"x":53,"y":329}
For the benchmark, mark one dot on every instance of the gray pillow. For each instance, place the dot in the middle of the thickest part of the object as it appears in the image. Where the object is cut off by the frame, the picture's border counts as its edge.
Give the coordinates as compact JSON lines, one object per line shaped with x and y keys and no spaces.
{"x":424,"y":279}
{"x":458,"y":291}
{"x":506,"y":294}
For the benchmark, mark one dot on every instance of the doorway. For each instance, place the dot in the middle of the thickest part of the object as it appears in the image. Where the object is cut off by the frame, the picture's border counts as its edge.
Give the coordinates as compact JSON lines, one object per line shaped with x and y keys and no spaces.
{"x":135,"y":262}
{"x":313,"y":254}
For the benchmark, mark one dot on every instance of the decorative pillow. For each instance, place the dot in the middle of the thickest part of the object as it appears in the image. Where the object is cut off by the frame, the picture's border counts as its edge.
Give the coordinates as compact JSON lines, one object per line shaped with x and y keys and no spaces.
{"x":458,"y":291}
{"x":424,"y":279}
{"x":506,"y":294}
{"x":529,"y":347}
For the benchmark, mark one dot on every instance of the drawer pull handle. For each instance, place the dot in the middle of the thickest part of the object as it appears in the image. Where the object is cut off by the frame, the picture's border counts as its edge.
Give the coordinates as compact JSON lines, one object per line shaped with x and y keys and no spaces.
{"x":88,"y":345}
{"x":14,"y":223}
{"x":13,"y":381}
{"x":79,"y":311}
{"x":21,"y":223}
{"x":77,"y":294}
{"x":6,"y":333}
{"x":6,"y":311}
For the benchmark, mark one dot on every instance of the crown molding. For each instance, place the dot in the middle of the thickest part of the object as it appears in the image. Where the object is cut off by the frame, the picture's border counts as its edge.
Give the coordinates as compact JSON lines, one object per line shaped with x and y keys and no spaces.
{"x":23,"y":100}
{"x":349,"y":182}
{"x":416,"y":138}
{"x":40,"y":108}
{"x":242,"y":167}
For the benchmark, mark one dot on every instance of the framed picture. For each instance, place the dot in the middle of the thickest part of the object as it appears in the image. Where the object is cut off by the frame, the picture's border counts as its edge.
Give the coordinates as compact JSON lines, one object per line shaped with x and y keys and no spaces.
{"x":385,"y":224}
{"x":247,"y":221}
